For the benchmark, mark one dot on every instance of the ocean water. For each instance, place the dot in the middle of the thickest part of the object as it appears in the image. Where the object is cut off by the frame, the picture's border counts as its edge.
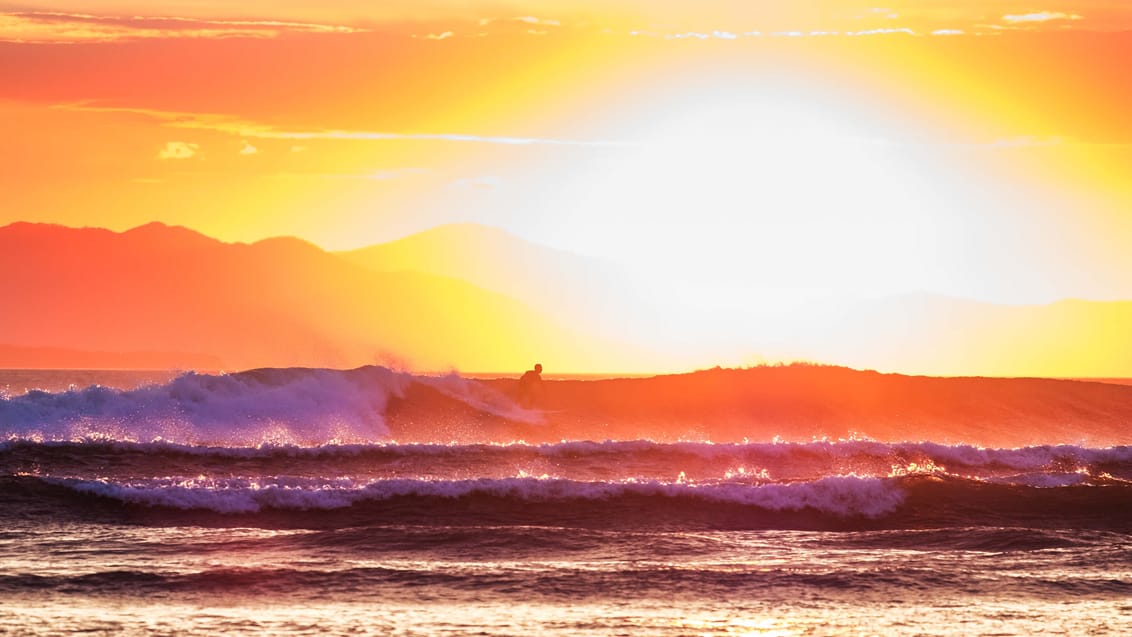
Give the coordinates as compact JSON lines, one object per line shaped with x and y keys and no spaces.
{"x":369,"y":501}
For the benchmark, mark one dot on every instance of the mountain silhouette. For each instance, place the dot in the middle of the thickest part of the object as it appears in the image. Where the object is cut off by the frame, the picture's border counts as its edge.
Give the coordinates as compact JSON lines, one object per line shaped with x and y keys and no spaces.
{"x":477,"y":299}
{"x":277,"y":302}
{"x":584,"y":292}
{"x":600,"y":297}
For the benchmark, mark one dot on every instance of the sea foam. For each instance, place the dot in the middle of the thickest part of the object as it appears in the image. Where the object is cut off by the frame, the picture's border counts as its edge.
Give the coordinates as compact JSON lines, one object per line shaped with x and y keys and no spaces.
{"x":281,"y":406}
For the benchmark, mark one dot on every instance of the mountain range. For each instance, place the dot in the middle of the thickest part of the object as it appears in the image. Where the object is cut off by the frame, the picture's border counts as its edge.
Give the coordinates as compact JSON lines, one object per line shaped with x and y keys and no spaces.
{"x":471,"y":298}
{"x":278,"y":302}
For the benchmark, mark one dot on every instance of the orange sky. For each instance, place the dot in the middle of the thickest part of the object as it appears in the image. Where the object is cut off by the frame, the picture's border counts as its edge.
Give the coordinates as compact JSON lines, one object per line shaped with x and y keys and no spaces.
{"x":736,"y":150}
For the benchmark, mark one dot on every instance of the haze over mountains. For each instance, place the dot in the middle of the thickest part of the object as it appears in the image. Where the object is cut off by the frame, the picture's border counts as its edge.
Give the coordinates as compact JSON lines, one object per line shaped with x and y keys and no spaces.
{"x":548,"y":280}
{"x":278,"y":302}
{"x":477,"y":299}
{"x":919,"y":333}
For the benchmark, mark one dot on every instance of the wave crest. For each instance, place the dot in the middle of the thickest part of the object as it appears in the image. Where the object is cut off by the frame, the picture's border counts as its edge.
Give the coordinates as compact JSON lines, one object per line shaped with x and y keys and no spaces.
{"x":845,"y":496}
{"x":276,"y":406}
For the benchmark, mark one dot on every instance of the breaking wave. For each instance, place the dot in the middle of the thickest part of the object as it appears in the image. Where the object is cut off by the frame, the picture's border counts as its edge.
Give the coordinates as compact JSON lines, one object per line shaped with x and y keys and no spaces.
{"x":313,"y":407}
{"x":267,"y":406}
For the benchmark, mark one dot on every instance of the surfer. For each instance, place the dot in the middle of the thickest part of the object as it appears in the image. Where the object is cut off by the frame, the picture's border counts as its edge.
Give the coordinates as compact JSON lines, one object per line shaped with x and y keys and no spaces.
{"x":530,"y":384}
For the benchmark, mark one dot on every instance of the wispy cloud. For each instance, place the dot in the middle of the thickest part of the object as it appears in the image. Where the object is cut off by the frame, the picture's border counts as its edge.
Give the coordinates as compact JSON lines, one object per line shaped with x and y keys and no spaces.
{"x":254,"y":130}
{"x":435,"y":36}
{"x":484,"y":27}
{"x":178,"y":150}
{"x":1040,"y":16}
{"x":904,"y":31}
{"x":876,"y":21}
{"x":67,"y":28}
{"x":261,"y":131}
{"x":522,"y":19}
{"x":730,"y":35}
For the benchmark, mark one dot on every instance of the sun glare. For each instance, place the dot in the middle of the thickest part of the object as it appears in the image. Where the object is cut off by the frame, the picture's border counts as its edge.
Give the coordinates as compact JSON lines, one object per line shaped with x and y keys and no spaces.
{"x":721,"y":186}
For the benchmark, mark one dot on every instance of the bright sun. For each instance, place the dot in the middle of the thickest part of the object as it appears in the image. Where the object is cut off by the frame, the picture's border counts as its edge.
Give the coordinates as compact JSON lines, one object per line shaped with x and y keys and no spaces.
{"x":726,"y":188}
{"x":739,"y":210}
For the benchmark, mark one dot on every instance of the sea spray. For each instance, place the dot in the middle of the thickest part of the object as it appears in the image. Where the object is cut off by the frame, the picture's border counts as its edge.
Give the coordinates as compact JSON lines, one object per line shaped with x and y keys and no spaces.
{"x":278,"y":406}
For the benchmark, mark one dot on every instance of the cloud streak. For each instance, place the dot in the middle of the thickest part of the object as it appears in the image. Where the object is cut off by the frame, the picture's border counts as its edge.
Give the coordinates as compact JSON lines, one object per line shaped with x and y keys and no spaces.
{"x":730,"y":35}
{"x":254,"y":130}
{"x":1038,"y":17}
{"x":299,"y":139}
{"x":531,"y":20}
{"x":72,"y":28}
{"x":178,"y":150}
{"x":45,"y":27}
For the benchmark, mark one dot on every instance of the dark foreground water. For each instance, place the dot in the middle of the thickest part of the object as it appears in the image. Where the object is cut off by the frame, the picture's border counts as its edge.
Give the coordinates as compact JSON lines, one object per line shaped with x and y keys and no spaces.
{"x":161,"y":512}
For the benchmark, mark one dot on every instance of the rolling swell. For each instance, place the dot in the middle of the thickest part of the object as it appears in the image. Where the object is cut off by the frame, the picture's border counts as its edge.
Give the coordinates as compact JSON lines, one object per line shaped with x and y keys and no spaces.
{"x":626,"y":583}
{"x":1046,"y":465}
{"x":832,"y":503}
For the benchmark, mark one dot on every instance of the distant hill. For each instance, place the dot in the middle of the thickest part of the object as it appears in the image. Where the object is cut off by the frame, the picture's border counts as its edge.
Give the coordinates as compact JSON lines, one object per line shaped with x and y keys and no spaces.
{"x":478,"y":299}
{"x":278,"y":302}
{"x":576,"y":290}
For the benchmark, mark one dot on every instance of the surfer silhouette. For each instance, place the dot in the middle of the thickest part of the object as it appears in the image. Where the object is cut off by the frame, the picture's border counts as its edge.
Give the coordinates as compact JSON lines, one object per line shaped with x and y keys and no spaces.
{"x":530,"y":383}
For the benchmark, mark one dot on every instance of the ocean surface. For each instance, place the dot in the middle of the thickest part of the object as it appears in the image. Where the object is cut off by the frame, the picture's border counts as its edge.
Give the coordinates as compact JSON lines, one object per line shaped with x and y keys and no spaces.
{"x":369,"y":501}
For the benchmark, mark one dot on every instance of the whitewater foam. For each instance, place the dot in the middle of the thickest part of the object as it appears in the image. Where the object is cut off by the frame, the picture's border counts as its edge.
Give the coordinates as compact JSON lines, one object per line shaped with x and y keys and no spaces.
{"x":298,"y":406}
{"x":275,"y":406}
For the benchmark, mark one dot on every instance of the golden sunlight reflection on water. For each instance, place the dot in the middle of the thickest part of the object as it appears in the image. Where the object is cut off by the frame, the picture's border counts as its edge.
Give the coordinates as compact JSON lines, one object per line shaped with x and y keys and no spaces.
{"x":370,"y":615}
